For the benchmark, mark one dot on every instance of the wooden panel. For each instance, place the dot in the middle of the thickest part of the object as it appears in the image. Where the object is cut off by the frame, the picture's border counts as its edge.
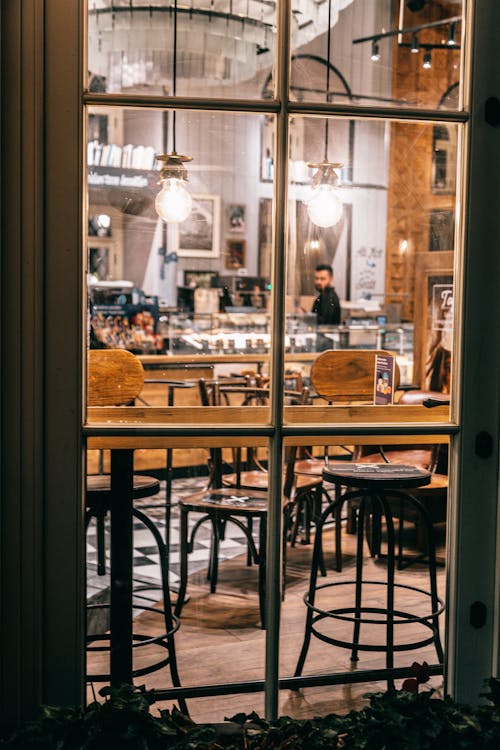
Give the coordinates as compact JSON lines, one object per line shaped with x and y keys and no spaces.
{"x":179,"y":442}
{"x":115,"y":377}
{"x":294,"y":415}
{"x":348,"y":440}
{"x":344,"y":375}
{"x":181,"y":415}
{"x":147,"y":459}
{"x":378,"y":415}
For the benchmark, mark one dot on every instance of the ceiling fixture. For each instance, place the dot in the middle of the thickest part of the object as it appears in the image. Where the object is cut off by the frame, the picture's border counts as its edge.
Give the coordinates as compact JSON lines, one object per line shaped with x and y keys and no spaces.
{"x":173,"y":203}
{"x":452,"y":31}
{"x":449,"y":42}
{"x":427,"y":63}
{"x":375,"y":56}
{"x":324,"y":206}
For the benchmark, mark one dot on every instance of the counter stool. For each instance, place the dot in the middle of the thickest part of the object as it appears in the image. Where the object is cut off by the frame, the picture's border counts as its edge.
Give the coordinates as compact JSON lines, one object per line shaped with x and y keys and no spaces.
{"x":115,"y":378}
{"x":375,"y":485}
{"x":98,"y":500}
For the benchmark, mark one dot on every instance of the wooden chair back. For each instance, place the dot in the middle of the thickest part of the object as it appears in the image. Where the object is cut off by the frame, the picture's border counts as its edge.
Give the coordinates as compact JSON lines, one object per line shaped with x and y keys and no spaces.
{"x":115,"y":377}
{"x":347,"y":375}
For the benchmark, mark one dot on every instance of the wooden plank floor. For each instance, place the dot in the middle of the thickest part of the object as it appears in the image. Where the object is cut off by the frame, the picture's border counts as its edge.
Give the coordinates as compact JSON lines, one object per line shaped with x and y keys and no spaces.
{"x":220,"y":639}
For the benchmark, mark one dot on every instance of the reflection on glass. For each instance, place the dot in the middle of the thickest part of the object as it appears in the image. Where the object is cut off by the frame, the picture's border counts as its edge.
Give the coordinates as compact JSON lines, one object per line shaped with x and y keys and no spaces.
{"x":196,"y":286}
{"x":395,"y":232}
{"x":385,"y":53}
{"x":223,"y":48}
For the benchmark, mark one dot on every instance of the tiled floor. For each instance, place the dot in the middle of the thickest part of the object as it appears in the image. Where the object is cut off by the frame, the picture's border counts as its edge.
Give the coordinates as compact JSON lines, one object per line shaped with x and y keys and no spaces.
{"x":146,"y":557}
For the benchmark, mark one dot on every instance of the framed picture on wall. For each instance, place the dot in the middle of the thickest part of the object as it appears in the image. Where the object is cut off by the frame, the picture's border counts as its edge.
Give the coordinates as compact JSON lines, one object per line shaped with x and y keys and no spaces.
{"x":199,"y":234}
{"x":433,"y":320}
{"x":441,"y":229}
{"x":236,"y":221}
{"x":235,"y":254}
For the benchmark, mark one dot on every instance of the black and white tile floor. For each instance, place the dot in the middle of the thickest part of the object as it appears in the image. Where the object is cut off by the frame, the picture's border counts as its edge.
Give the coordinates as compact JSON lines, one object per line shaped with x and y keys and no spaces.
{"x":146,"y":557}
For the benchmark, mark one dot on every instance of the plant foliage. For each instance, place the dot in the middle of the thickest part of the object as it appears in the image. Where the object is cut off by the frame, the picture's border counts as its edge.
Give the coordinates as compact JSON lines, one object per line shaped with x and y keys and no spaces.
{"x":396,"y":720}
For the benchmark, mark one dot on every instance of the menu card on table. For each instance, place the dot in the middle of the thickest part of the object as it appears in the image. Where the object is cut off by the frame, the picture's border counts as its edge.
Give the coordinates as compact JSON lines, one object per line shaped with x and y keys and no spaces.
{"x":384,"y":379}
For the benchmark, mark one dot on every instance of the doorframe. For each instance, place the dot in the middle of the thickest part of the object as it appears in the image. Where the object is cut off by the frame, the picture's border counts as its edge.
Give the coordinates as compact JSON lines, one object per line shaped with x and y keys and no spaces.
{"x":42,"y":563}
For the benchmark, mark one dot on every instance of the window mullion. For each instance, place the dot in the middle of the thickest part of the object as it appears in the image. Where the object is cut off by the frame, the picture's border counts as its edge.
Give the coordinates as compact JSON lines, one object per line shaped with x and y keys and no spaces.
{"x":274,"y":550}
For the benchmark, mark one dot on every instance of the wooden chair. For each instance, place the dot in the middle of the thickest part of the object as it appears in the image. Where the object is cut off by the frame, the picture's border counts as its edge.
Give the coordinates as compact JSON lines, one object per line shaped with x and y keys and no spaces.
{"x":240,"y":496}
{"x":115,"y":378}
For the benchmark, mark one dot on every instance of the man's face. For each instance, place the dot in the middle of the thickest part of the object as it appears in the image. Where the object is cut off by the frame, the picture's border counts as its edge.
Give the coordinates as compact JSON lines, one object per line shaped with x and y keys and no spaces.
{"x":322,"y":279}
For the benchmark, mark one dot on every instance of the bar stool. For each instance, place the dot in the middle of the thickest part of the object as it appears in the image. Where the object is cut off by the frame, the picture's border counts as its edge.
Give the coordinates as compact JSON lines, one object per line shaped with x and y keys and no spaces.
{"x":116,"y":377}
{"x":98,"y":500}
{"x":375,"y":485}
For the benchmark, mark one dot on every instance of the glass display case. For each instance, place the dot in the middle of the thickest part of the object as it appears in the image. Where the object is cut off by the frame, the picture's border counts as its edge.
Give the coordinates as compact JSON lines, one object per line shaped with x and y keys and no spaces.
{"x":249,"y":333}
{"x":232,"y":333}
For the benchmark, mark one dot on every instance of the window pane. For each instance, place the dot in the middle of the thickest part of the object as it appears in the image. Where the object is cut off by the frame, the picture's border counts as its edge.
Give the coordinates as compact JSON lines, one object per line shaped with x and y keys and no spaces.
{"x":220,"y":638}
{"x":320,"y":577}
{"x":370,"y":65}
{"x":224,"y":48}
{"x":190,"y":298}
{"x":388,"y":232}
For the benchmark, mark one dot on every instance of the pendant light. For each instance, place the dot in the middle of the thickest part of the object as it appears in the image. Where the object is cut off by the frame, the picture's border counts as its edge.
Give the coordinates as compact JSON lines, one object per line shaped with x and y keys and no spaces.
{"x":173,"y":203}
{"x":324,"y":205}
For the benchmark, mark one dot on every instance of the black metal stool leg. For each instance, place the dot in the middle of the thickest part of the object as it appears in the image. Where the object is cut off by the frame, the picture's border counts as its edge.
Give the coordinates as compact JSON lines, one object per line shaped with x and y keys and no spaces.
{"x":183,"y":534}
{"x":170,"y":625}
{"x":358,"y":591}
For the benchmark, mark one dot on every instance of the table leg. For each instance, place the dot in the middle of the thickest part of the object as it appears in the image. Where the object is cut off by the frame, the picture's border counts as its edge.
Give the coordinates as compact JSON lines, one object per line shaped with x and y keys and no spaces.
{"x":262,"y":567}
{"x":122,"y":467}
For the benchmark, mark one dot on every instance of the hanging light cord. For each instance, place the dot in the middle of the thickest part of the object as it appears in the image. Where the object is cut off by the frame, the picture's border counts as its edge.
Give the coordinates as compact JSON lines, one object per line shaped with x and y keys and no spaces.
{"x":328,"y":49}
{"x":174,"y":73}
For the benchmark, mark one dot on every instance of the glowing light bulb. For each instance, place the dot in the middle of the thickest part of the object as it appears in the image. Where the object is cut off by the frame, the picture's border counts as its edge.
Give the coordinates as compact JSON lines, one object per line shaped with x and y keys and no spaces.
{"x":325,"y":206}
{"x":173,"y":203}
{"x":375,"y":55}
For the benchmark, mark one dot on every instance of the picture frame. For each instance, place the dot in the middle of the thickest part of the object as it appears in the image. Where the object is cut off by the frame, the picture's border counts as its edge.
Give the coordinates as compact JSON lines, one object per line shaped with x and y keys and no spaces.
{"x":236,"y":218}
{"x":433,"y":311}
{"x":235,"y":253}
{"x":441,"y":229}
{"x":200,"y":279}
{"x":199,"y":235}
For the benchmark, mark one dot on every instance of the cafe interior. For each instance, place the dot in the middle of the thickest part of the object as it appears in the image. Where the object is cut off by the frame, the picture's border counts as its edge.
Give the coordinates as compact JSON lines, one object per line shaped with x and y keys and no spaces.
{"x":249,"y":452}
{"x":286,"y":473}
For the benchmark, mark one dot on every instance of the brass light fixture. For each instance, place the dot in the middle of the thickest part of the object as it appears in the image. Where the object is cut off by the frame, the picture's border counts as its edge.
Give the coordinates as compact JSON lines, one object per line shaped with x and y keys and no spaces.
{"x":173,"y":203}
{"x":324,"y":205}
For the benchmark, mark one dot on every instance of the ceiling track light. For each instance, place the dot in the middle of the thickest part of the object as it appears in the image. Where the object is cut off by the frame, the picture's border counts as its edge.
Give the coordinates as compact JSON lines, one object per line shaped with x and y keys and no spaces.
{"x":415,"y":44}
{"x":427,"y":63}
{"x":375,"y":56}
{"x":452,"y":32}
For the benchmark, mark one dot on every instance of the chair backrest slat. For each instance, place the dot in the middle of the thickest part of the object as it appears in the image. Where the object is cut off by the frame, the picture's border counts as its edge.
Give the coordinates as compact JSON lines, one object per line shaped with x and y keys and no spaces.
{"x":115,"y":377}
{"x":343,"y":375}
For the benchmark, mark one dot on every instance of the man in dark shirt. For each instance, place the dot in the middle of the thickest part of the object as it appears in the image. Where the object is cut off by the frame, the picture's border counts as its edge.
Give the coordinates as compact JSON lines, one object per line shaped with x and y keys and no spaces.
{"x":327,"y":304}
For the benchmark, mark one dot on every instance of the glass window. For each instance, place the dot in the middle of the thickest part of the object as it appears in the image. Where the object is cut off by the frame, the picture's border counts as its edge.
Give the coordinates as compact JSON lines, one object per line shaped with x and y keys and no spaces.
{"x":184,"y":269}
{"x":192,"y":298}
{"x":371,"y":241}
{"x":223,"y":49}
{"x":402,"y":54}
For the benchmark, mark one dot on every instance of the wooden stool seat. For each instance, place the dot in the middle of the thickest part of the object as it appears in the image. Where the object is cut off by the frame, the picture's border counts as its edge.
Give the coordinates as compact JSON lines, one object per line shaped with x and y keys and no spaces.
{"x":373,"y":475}
{"x":99,"y":485}
{"x":259,"y":480}
{"x":311,"y":467}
